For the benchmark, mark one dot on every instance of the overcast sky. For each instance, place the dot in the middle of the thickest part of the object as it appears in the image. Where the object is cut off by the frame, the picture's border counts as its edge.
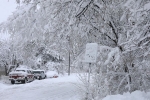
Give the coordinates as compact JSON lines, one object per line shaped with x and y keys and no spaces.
{"x":6,"y":9}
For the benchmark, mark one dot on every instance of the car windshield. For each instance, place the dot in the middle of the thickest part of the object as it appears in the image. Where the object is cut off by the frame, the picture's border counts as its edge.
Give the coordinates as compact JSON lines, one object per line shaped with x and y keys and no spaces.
{"x":36,"y":72}
{"x":20,"y":70}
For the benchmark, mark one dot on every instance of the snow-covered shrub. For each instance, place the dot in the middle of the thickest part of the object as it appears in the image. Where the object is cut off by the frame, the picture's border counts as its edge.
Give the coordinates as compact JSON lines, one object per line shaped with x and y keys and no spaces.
{"x":116,"y":72}
{"x":122,"y":26}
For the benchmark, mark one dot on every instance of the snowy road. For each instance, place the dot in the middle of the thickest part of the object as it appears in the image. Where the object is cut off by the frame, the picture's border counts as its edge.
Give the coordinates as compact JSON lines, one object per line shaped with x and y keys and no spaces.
{"x":62,"y":88}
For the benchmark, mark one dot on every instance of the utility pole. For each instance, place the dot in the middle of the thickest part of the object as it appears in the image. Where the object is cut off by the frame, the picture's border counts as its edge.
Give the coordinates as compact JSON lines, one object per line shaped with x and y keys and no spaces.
{"x":69,"y":56}
{"x":69,"y":64}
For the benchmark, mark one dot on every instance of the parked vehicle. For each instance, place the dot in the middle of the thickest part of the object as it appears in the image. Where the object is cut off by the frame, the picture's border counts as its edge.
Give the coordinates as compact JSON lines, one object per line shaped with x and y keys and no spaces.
{"x":22,"y":75}
{"x":39,"y":74}
{"x":51,"y":74}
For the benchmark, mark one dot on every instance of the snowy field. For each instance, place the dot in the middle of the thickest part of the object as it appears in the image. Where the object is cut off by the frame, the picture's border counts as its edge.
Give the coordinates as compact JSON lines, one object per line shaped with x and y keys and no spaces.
{"x":61,"y":88}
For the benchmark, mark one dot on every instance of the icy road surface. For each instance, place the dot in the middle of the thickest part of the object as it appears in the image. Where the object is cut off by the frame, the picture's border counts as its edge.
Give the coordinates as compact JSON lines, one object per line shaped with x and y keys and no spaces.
{"x":61,"y":88}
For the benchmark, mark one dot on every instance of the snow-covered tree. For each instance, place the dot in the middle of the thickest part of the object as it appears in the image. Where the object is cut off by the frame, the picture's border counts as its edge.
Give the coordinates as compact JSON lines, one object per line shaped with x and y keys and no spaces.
{"x":120,"y":27}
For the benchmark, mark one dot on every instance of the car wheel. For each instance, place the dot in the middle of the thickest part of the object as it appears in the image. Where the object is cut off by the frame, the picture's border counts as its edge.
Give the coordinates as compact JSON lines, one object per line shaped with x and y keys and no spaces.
{"x":40,"y":78}
{"x":35,"y":77}
{"x":12,"y":82}
{"x":45,"y":77}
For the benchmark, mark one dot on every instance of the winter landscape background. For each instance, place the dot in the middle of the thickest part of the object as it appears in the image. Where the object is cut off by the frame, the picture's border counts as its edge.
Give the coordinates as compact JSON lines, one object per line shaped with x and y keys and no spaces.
{"x":52,"y":35}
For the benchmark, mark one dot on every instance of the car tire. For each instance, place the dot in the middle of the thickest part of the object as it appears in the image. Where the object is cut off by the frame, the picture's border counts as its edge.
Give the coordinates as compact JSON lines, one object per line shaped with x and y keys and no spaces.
{"x":12,"y":82}
{"x":45,"y":77}
{"x":40,"y":78}
{"x":35,"y":77}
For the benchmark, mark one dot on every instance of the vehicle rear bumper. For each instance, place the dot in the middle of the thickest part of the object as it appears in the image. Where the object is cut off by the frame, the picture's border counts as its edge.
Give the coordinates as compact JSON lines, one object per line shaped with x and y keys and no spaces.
{"x":18,"y":79}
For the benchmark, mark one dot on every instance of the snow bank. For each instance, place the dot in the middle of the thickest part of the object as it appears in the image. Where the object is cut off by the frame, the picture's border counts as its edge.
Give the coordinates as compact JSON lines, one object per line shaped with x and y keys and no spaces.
{"x":137,"y":95}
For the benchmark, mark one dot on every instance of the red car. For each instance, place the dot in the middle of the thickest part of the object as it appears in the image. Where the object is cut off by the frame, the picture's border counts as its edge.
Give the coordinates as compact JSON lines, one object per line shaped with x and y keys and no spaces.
{"x":22,"y":75}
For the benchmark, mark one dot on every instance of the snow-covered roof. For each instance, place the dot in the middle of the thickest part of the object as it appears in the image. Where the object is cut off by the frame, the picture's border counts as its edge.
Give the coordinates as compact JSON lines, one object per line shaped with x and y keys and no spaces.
{"x":23,"y":67}
{"x":39,"y":70}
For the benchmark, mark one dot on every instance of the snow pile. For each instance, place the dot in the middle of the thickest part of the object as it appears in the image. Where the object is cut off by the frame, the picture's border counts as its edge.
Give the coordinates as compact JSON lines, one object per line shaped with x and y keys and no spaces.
{"x":137,"y":95}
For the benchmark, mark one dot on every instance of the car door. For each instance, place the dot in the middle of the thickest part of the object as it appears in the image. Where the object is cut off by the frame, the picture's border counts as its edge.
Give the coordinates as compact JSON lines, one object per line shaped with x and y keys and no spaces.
{"x":42,"y":74}
{"x":30,"y":75}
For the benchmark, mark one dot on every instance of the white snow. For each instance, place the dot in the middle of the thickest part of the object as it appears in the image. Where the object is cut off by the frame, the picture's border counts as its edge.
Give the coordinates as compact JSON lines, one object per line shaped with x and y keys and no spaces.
{"x":128,"y":2}
{"x":114,"y":52}
{"x":38,"y":7}
{"x":61,"y":88}
{"x":137,"y":95}
{"x":50,"y":74}
{"x":147,"y":6}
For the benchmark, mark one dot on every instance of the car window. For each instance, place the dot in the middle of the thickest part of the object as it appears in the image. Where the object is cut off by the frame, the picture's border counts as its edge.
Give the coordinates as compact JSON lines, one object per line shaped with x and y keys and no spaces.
{"x":28,"y":71}
{"x":32,"y":72}
{"x":36,"y":72}
{"x":20,"y":70}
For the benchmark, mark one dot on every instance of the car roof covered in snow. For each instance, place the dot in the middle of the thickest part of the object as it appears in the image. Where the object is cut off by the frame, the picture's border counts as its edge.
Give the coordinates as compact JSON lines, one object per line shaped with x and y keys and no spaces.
{"x":23,"y":67}
{"x":39,"y":70}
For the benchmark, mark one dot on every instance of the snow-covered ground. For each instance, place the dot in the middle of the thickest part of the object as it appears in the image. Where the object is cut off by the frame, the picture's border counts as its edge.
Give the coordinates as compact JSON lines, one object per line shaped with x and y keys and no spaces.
{"x":61,"y":88}
{"x":137,"y":95}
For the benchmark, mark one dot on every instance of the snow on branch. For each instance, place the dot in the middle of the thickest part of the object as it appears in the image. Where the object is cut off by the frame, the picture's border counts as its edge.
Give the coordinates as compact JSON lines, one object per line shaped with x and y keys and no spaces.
{"x":83,"y":6}
{"x":114,"y":55}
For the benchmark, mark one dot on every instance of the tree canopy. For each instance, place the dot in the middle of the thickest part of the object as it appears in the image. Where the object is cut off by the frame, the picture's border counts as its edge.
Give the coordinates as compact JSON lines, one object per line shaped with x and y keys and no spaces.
{"x":120,"y":27}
